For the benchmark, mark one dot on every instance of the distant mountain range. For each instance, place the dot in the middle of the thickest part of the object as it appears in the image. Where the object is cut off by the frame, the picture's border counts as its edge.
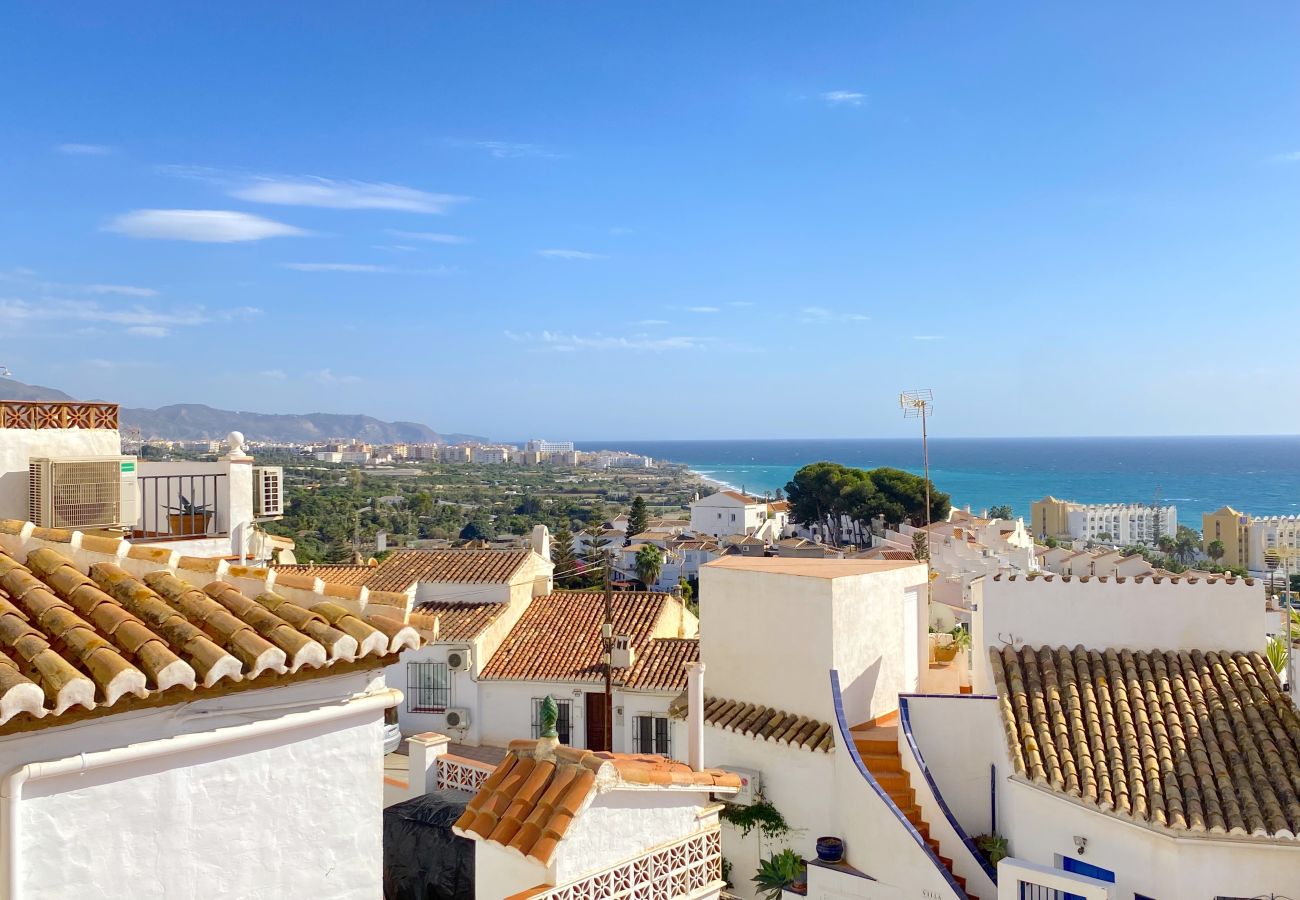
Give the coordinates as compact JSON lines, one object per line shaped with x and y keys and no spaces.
{"x":194,"y":421}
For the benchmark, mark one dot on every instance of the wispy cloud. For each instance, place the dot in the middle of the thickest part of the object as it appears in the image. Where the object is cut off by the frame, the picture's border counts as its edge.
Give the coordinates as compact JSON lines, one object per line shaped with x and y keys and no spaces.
{"x":560,"y":342}
{"x":333,"y":194}
{"x":276,"y":374}
{"x":125,"y":290}
{"x":433,"y":237}
{"x":819,"y":314}
{"x":703,"y":309}
{"x":927,"y":337}
{"x":83,"y":149}
{"x":843,"y":98}
{"x":740,"y":304}
{"x":508,"y":149}
{"x":139,"y":320}
{"x":151,"y":331}
{"x":648,"y":322}
{"x":1292,"y":156}
{"x":325,"y":376}
{"x":314,"y":190}
{"x":213,"y":226}
{"x":570,"y":254}
{"x":337,"y":267}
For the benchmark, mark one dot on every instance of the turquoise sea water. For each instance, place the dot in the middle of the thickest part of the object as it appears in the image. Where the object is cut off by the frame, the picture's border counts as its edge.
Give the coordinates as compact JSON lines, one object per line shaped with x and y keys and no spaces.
{"x":1259,"y":475}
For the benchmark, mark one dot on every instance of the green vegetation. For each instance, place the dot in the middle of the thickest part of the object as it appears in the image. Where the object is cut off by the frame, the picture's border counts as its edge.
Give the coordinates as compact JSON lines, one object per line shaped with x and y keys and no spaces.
{"x":994,"y":847}
{"x":334,"y":511}
{"x":1216,"y":550}
{"x":760,"y":814}
{"x":1001,"y":512}
{"x":1277,"y":653}
{"x":649,"y":563}
{"x":778,"y":872}
{"x":823,"y":491}
{"x":638,"y":517}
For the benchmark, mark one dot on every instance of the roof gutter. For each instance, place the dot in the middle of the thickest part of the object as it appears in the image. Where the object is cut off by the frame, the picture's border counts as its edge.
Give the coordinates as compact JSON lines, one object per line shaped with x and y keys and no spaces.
{"x":11,"y":787}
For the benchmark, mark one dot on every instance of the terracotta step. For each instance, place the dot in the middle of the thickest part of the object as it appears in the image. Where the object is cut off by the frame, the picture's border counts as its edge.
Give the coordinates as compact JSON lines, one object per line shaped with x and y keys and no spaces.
{"x":903,"y":799}
{"x":892,"y":781}
{"x":881,"y":762}
{"x":877,"y":746}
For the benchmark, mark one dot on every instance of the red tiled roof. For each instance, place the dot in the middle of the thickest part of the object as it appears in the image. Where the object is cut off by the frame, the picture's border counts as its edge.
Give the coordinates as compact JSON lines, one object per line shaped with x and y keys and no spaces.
{"x":353,"y":576}
{"x":558,"y":638}
{"x":662,"y":666}
{"x":766,"y":723}
{"x":528,"y":803}
{"x":404,"y":568}
{"x":456,"y":621}
{"x":106,"y":639}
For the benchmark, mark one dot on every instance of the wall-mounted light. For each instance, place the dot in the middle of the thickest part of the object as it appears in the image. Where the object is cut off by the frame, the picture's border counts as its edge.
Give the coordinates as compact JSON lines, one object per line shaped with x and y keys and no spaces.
{"x":1080,"y":843}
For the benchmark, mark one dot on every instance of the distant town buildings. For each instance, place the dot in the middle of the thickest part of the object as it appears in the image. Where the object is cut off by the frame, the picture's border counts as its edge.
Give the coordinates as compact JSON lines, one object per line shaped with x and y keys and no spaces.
{"x":540,"y":446}
{"x":1116,"y":523}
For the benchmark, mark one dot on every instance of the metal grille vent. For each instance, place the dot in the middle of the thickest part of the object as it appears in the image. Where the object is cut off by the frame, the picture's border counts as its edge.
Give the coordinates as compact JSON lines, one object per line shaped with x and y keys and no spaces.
{"x":80,"y":494}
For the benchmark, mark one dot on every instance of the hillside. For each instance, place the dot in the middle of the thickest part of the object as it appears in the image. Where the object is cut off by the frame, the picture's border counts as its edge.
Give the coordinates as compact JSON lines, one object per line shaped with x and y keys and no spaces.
{"x":195,"y":421}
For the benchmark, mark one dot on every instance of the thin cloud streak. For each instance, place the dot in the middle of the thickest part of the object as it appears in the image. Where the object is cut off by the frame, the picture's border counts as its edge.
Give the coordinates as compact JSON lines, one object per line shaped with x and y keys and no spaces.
{"x":570,"y":254}
{"x":843,"y":98}
{"x":83,"y":149}
{"x":337,"y":267}
{"x":560,"y":342}
{"x":432,"y":237}
{"x":209,"y":226}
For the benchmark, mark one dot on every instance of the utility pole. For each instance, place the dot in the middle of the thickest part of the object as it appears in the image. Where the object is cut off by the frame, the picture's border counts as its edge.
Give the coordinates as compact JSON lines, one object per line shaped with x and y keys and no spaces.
{"x":918,"y":405}
{"x":607,"y":630}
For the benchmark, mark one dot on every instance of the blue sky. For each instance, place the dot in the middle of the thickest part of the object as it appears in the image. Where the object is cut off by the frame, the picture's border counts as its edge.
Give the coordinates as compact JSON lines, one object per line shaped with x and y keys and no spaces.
{"x":660,"y":220}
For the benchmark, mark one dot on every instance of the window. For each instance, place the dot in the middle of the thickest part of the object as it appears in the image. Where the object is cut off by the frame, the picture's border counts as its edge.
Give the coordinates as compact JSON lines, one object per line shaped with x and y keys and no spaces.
{"x":561,"y":723}
{"x":733,"y":517}
{"x":651,"y":734}
{"x":428,"y":687}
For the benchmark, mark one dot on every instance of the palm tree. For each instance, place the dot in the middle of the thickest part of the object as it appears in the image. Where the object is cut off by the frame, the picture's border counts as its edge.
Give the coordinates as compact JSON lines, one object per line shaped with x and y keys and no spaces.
{"x":649,"y":564}
{"x":1216,"y":550}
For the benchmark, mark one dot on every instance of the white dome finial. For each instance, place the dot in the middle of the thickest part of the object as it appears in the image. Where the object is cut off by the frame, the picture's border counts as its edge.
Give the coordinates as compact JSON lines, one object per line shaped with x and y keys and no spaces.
{"x":235,"y":441}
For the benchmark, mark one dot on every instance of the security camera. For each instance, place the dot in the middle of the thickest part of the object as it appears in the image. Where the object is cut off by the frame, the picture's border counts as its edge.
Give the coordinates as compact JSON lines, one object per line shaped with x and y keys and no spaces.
{"x":1081,"y":843}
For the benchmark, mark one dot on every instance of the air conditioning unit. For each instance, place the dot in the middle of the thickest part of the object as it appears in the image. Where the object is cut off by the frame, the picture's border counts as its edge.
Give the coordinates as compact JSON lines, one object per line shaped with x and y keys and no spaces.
{"x":458,"y":659}
{"x":751,"y":783}
{"x":268,"y":493}
{"x":83,"y":492}
{"x":458,"y":718}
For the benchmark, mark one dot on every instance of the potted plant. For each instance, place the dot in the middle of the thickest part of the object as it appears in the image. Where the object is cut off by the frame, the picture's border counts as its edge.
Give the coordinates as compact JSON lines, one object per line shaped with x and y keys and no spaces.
{"x":943,"y":646}
{"x":778,"y":872}
{"x":830,"y":849}
{"x":994,"y":847}
{"x":188,"y":519}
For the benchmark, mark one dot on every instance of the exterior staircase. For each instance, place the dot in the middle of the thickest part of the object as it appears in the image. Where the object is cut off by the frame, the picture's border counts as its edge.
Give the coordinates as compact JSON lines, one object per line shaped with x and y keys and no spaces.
{"x":877,"y":744}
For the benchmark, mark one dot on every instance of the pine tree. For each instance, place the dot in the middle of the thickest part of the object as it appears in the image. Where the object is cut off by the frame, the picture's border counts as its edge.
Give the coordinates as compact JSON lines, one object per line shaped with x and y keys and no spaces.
{"x":638,"y":517}
{"x":563,"y":558}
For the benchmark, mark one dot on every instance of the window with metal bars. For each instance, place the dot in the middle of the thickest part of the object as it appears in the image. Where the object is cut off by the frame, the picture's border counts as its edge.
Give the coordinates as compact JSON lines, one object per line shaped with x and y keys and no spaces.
{"x":562,"y":727}
{"x":428,"y":687}
{"x":651,"y":734}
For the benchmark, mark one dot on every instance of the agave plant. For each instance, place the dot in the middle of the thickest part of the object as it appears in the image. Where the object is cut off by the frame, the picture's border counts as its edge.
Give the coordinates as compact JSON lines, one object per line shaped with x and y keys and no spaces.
{"x":778,"y":872}
{"x":1277,"y":654}
{"x":994,"y":846}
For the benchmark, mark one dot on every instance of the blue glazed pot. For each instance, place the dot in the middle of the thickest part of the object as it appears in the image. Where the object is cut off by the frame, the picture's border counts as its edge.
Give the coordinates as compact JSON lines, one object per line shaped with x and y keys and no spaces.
{"x":830,"y":849}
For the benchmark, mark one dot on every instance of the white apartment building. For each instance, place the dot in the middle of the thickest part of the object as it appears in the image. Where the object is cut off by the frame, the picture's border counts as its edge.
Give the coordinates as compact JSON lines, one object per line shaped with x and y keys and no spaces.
{"x":1268,"y":533}
{"x":455,"y":453}
{"x":542,"y":446}
{"x":490,"y":455}
{"x":329,"y":456}
{"x":354,"y":457}
{"x":731,"y":512}
{"x":1125,"y":523}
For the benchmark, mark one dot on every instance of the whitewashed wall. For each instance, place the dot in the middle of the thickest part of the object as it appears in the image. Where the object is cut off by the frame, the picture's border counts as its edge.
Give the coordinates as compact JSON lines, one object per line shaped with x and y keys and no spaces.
{"x":1095,"y":614}
{"x":19,"y":445}
{"x":500,"y":873}
{"x":621,"y":824}
{"x":1041,"y":827}
{"x":880,"y":640}
{"x":959,"y":737}
{"x":288,"y":815}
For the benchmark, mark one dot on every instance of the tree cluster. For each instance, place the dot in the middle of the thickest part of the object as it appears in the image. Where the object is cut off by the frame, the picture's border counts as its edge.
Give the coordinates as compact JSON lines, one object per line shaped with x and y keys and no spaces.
{"x":821,"y":493}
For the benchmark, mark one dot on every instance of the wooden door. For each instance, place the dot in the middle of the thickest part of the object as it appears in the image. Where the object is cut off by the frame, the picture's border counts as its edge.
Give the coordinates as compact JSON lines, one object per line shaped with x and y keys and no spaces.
{"x":597,"y":716}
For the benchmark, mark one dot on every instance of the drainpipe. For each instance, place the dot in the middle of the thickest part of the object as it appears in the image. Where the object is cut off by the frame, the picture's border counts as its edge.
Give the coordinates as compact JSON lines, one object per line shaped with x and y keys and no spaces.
{"x":695,"y":714}
{"x":11,"y":787}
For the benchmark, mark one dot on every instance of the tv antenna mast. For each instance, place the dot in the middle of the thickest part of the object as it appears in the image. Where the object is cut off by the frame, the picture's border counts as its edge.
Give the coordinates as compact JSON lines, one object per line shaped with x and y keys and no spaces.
{"x":919,"y":404}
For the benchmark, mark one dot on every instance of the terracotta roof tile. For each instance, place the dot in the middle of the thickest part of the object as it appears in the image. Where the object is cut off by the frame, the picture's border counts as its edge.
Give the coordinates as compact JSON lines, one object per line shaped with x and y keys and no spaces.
{"x":662,"y":665}
{"x":404,"y":568}
{"x":355,"y":576}
{"x":1186,"y":741}
{"x":452,"y":621}
{"x":559,"y":636}
{"x":766,"y":723}
{"x":96,"y":639}
{"x":531,"y":799}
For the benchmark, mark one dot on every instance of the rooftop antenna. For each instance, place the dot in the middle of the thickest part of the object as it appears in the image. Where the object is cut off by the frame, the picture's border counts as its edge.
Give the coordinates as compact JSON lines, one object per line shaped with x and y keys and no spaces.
{"x":919,"y":404}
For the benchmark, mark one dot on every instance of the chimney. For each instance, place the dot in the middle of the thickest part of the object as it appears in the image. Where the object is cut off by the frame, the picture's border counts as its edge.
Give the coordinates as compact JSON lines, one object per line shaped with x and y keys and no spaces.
{"x":695,"y":715}
{"x":541,"y":542}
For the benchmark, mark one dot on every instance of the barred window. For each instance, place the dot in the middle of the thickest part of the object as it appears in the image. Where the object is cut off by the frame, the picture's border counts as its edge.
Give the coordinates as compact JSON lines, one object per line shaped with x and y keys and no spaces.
{"x":428,"y":687}
{"x":561,"y":723}
{"x":652,"y":735}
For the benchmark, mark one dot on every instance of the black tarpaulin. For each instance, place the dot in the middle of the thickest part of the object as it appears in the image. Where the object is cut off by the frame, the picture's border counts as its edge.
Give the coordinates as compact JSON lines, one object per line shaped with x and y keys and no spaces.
{"x":423,"y":860}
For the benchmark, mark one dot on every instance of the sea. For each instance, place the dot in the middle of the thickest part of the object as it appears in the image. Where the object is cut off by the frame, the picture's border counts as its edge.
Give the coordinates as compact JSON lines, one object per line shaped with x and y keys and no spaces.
{"x":1259,"y":475}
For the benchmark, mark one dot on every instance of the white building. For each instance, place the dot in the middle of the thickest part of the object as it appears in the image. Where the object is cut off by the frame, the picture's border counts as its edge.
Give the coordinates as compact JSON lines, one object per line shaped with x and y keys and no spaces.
{"x":541,"y":446}
{"x":354,"y":457}
{"x":490,"y":455}
{"x":593,"y":826}
{"x":556,"y":649}
{"x":456,"y":453}
{"x":1123,"y":523}
{"x":166,"y":731}
{"x":731,"y":512}
{"x":1267,"y":533}
{"x":329,"y":456}
{"x":671,"y":572}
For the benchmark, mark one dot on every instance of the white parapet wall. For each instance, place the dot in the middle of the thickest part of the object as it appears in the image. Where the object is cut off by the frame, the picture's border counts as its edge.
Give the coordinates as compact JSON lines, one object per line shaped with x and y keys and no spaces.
{"x":1141,"y":613}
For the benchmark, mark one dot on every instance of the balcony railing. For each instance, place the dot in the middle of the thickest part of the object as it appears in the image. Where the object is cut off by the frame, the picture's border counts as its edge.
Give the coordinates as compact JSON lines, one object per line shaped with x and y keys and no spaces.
{"x":691,"y":867}
{"x":462,"y":774}
{"x":58,"y":414}
{"x":181,"y":506}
